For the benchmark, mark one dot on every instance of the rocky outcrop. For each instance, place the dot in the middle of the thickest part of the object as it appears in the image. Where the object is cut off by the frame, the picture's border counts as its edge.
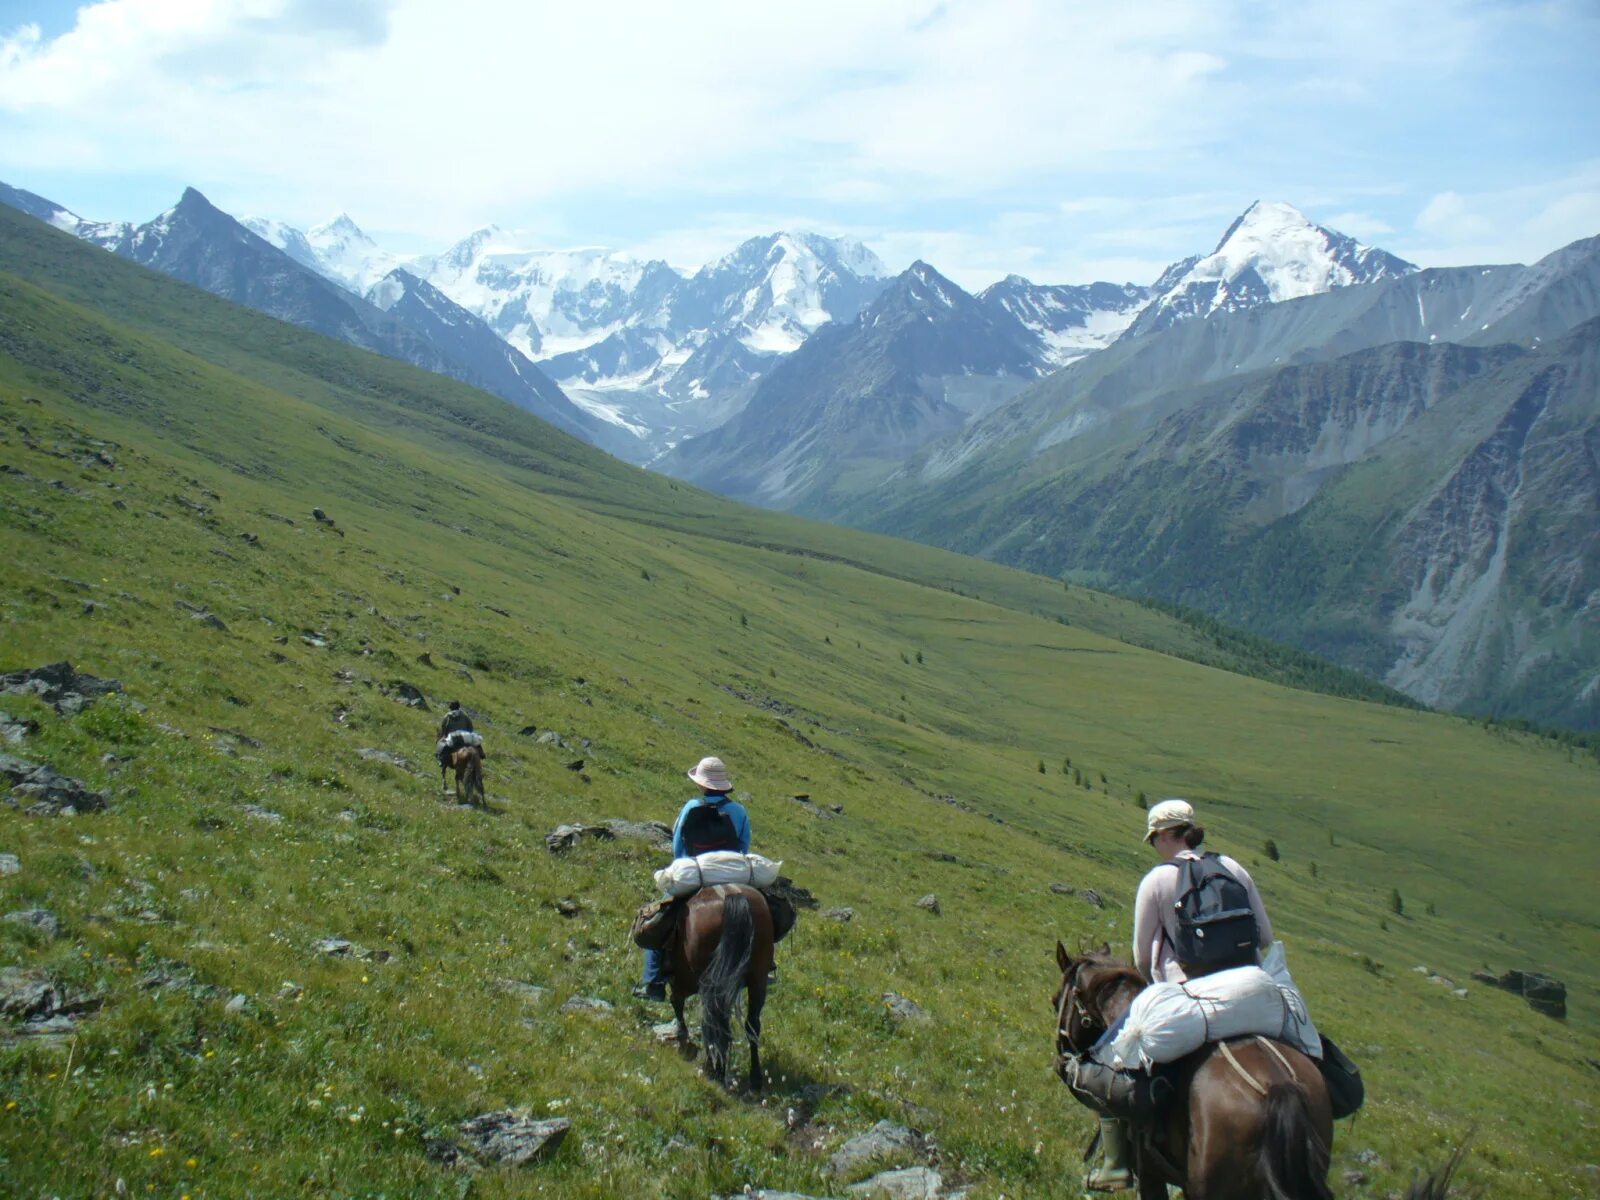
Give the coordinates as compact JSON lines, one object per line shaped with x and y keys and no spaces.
{"x":42,"y":791}
{"x":66,"y":690}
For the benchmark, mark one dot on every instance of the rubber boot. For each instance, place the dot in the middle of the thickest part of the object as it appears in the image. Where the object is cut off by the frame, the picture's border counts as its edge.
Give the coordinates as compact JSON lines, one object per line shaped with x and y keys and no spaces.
{"x":1113,"y":1173}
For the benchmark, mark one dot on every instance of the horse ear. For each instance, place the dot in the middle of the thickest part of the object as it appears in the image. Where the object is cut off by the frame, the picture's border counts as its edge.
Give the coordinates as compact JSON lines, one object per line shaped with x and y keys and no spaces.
{"x":1105,"y":948}
{"x":1063,"y":959}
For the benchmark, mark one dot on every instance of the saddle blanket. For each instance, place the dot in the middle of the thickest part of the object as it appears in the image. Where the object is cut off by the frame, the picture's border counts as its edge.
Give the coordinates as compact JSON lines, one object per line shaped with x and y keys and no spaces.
{"x":685,"y":876}
{"x":1169,"y":1020}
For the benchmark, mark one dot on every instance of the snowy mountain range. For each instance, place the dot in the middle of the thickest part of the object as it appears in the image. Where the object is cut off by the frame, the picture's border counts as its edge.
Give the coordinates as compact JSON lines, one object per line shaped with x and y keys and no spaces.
{"x":666,"y":354}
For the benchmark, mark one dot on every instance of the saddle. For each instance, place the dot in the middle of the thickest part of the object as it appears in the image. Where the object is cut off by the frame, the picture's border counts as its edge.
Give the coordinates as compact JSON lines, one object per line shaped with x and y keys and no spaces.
{"x":655,"y":924}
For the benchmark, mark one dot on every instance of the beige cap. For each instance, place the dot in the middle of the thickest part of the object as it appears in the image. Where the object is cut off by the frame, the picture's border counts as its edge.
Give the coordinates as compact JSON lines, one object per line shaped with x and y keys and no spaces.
{"x":1169,"y":814}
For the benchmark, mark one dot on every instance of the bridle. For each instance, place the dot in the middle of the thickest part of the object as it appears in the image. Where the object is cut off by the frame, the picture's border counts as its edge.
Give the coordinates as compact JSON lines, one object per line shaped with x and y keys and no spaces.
{"x":1071,"y":1007}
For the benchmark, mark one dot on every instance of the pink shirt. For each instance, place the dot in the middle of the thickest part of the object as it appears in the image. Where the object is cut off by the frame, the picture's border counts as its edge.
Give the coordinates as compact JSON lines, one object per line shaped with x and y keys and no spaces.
{"x":1155,"y":922}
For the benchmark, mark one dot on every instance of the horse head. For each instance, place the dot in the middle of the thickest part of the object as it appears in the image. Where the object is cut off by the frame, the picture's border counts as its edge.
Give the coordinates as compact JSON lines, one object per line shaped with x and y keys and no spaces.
{"x":1085,"y":983}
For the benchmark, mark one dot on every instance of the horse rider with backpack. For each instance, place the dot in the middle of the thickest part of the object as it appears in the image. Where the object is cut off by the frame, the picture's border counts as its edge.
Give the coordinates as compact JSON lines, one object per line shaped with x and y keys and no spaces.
{"x":710,"y":821}
{"x":455,"y":720}
{"x":1196,"y":912}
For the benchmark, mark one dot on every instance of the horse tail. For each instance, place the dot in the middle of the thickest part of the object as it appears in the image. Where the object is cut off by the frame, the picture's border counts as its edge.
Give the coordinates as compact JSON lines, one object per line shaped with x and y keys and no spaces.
{"x":722,"y":979}
{"x":475,"y":775}
{"x":1294,"y":1159}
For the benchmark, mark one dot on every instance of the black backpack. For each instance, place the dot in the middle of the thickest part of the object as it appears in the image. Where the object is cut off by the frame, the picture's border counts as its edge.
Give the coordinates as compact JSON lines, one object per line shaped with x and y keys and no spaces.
{"x":1216,"y":925}
{"x":706,"y":827}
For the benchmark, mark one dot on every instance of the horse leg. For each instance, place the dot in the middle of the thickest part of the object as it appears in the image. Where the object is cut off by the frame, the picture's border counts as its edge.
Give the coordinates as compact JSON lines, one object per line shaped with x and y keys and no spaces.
{"x":679,"y":999}
{"x":752,"y":1030}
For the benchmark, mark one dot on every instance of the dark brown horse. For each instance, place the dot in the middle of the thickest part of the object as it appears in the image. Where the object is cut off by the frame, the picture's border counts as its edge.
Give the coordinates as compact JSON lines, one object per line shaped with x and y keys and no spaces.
{"x":723,"y":947}
{"x":1256,"y":1125}
{"x":468,"y":762}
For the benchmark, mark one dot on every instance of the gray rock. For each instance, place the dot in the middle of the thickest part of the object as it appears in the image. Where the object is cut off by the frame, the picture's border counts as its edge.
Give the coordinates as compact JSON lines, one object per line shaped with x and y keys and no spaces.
{"x":58,"y":685}
{"x":768,"y":1194}
{"x":885,"y":1140}
{"x":842,"y":915}
{"x":210,"y":620}
{"x":565,"y":837}
{"x":929,"y":902}
{"x":910,"y":1183}
{"x":41,"y":919}
{"x":903,"y":1009}
{"x":551,"y":738}
{"x":1369,"y":1158}
{"x":238,"y":1006}
{"x":653,"y":832}
{"x":14,"y":730}
{"x":666,"y":1031}
{"x":528,"y":993}
{"x":386,"y":756}
{"x":344,"y":948}
{"x":261,"y":814}
{"x":405,"y":693}
{"x":10,"y":864}
{"x":1063,"y":889}
{"x":587,"y":1004}
{"x":46,"y":791}
{"x":1090,"y":896}
{"x":512,"y":1138}
{"x":32,"y":998}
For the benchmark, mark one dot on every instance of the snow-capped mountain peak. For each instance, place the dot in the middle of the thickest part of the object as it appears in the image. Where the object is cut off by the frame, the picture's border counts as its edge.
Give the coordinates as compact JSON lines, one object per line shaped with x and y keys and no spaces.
{"x":337,"y":250}
{"x":1271,"y":252}
{"x":341,"y":228}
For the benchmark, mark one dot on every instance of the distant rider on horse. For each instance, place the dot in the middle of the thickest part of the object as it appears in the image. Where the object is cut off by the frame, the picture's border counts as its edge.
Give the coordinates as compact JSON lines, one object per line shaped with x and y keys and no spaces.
{"x":710,"y":821}
{"x":1174,"y":831}
{"x":455,"y":719}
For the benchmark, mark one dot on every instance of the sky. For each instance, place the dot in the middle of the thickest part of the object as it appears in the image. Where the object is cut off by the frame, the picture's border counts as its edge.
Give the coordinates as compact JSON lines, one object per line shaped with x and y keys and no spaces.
{"x":1064,"y":140}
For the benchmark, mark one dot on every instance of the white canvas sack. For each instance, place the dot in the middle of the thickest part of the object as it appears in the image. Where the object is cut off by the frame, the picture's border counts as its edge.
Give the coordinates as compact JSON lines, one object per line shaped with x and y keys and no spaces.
{"x":1170,"y":1020}
{"x":685,"y":876}
{"x":1297,"y":1029}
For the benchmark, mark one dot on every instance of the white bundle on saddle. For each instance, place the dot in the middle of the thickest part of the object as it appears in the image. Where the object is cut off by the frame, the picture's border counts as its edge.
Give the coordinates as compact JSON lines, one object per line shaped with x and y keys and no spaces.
{"x":688,"y":875}
{"x":1169,"y":1020}
{"x":458,"y":738}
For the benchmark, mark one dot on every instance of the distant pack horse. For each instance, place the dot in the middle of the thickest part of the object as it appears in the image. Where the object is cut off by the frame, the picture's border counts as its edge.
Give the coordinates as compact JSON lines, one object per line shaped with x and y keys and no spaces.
{"x":468,"y":762}
{"x":1254,"y":1122}
{"x":723,"y":947}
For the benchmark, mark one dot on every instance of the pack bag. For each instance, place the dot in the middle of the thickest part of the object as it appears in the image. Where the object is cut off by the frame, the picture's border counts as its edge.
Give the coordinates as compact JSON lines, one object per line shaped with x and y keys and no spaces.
{"x":708,"y":827}
{"x":1346,"y":1092}
{"x":1216,"y":925}
{"x":654,"y":925}
{"x":458,"y":738}
{"x":783,"y":913}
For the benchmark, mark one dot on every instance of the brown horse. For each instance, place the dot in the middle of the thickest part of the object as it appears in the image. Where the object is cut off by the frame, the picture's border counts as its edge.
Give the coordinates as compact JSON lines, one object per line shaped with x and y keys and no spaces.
{"x":1265,"y":1137}
{"x":724,"y":945}
{"x":468,"y":762}
{"x":1257,"y":1124}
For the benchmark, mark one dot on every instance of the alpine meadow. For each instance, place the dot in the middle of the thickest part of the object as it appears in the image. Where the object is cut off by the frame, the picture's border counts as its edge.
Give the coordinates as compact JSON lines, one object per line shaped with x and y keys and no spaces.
{"x":261,"y":957}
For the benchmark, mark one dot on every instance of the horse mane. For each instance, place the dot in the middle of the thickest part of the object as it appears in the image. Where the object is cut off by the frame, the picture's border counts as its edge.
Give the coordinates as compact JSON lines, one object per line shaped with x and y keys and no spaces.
{"x":1096,"y":970}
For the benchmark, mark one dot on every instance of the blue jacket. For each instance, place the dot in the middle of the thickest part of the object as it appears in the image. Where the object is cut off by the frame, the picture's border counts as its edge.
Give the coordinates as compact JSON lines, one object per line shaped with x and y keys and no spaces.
{"x":735,"y":812}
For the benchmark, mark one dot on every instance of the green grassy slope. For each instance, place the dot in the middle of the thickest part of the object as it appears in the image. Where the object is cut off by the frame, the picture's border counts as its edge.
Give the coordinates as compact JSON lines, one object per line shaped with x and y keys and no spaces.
{"x":659,"y":624}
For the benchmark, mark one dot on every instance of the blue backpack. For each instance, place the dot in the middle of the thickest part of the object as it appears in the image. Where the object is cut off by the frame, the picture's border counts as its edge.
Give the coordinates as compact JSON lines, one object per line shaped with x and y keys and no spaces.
{"x":1216,"y":925}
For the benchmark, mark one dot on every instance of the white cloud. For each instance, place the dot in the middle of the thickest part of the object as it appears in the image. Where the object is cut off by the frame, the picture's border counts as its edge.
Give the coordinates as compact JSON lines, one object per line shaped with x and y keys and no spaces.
{"x":1516,"y":224}
{"x":1085,"y":139}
